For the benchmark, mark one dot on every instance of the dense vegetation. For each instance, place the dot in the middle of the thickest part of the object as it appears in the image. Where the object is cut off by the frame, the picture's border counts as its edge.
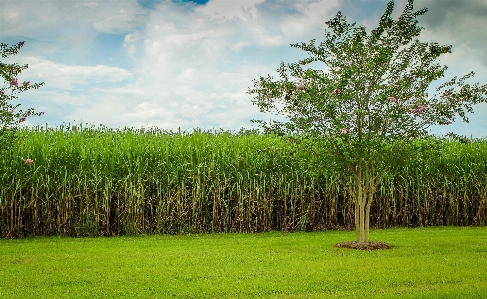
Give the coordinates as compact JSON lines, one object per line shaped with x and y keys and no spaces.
{"x":100,"y":181}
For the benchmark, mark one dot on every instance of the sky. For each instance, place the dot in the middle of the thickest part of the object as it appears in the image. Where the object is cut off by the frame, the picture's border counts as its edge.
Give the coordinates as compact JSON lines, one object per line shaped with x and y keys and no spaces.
{"x":179,"y":64}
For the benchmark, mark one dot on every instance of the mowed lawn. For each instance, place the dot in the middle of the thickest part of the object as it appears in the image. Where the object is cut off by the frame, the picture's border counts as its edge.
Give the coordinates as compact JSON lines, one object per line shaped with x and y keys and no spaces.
{"x":436,"y":262}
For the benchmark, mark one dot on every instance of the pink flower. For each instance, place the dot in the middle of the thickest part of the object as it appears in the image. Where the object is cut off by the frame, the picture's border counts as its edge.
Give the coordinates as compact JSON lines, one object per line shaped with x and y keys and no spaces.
{"x":336,"y":91}
{"x":26,"y":83}
{"x":448,"y":121}
{"x":27,"y":113}
{"x":29,"y":161}
{"x":14,"y":82}
{"x":392,"y":99}
{"x":21,"y":44}
{"x":396,"y":86}
{"x":343,"y":131}
{"x":23,"y":119}
{"x":446,"y":92}
{"x":41,"y":113}
{"x":412,"y":110}
{"x":301,"y":86}
{"x":421,"y":108}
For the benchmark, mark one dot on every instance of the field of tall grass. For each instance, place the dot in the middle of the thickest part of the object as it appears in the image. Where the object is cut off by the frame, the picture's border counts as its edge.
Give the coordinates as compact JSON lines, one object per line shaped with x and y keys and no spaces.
{"x":100,"y":181}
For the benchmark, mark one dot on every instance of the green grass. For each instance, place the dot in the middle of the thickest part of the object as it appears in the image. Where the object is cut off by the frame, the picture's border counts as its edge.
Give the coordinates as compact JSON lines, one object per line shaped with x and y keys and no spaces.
{"x":435,"y":262}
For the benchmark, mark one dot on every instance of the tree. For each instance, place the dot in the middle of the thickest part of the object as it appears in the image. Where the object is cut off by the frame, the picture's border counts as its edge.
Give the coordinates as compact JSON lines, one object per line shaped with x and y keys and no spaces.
{"x":370,"y":102}
{"x":9,"y":117}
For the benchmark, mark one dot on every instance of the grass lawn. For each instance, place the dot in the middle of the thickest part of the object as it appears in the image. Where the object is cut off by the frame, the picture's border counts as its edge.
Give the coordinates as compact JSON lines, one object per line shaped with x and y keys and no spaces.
{"x":436,"y":262}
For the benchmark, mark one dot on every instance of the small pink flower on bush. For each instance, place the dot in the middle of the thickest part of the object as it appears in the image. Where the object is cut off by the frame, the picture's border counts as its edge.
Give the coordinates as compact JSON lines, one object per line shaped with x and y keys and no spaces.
{"x":23,"y":119}
{"x":421,"y":108}
{"x":26,"y":83}
{"x":396,"y":86}
{"x":21,"y":44}
{"x":41,"y":113}
{"x":446,"y":92}
{"x":14,"y":82}
{"x":336,"y":91}
{"x":301,"y":86}
{"x":344,"y":131}
{"x":392,"y":99}
{"x":448,"y":121}
{"x":29,"y":161}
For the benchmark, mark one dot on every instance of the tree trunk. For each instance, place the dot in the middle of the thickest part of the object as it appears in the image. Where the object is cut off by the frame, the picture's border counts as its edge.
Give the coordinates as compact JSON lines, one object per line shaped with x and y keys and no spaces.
{"x":359,"y":205}
{"x":372,"y":183}
{"x":365,"y":186}
{"x":362,"y":223}
{"x":367,"y":221}
{"x":357,"y":220}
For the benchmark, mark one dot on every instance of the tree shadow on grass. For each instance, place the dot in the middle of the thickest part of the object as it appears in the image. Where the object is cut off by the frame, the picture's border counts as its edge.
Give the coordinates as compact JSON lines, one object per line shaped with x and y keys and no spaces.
{"x":373,"y":245}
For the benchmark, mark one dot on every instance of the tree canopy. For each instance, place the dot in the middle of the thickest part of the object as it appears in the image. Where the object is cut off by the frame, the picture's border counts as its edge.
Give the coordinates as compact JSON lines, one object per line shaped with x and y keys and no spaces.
{"x":370,"y":100}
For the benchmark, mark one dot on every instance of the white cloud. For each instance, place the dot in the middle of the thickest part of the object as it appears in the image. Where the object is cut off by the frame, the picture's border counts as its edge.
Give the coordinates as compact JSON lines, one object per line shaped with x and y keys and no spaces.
{"x":192,"y":65}
{"x":224,"y":10}
{"x":62,"y":76}
{"x":50,"y":19}
{"x":199,"y":57}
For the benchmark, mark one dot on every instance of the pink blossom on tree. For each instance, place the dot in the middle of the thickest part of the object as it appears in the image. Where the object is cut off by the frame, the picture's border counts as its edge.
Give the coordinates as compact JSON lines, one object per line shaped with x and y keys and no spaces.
{"x":9,"y":120}
{"x":421,"y":108}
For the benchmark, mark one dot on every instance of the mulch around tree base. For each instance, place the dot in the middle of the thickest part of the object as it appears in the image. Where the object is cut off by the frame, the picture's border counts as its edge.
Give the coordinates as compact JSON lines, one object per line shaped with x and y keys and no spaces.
{"x":373,"y":245}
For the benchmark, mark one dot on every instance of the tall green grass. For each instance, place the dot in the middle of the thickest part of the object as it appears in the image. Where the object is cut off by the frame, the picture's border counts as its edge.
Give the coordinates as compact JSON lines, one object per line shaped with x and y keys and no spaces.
{"x":101,"y":181}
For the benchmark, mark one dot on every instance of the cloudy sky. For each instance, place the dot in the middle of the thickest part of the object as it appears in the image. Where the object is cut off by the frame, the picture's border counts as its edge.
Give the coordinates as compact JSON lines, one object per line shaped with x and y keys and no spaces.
{"x":184,"y":64}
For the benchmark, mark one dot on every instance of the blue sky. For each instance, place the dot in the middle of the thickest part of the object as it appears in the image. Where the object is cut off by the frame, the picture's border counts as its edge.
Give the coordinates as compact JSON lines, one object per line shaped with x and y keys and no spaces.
{"x":186,"y":64}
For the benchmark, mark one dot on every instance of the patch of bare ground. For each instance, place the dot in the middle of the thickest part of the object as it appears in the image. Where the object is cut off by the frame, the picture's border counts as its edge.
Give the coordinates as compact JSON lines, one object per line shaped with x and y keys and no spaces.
{"x":372,"y":245}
